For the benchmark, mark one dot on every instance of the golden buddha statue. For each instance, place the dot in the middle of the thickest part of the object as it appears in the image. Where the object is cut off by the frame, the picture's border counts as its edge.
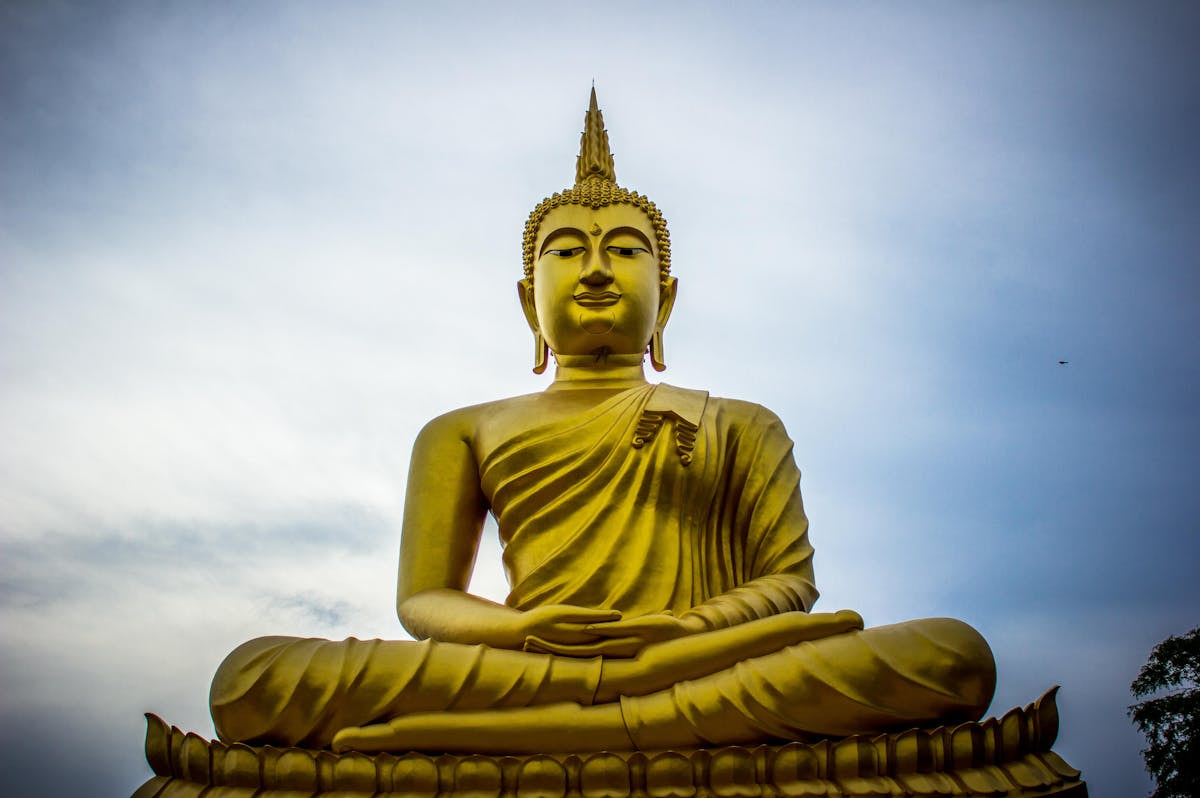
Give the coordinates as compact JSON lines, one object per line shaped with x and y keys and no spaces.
{"x":655,"y":542}
{"x":661,"y":586}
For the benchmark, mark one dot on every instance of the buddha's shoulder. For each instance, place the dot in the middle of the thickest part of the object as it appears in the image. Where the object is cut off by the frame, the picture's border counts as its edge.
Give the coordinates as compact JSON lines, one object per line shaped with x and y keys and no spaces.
{"x":739,"y":412}
{"x":471,"y":417}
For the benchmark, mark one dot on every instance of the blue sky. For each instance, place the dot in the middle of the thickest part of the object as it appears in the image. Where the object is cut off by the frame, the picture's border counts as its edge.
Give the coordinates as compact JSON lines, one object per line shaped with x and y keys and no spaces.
{"x":248,"y":249}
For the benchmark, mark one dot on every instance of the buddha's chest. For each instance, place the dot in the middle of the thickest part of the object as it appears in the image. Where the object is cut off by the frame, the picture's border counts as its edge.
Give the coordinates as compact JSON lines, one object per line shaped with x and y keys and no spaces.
{"x":516,"y":418}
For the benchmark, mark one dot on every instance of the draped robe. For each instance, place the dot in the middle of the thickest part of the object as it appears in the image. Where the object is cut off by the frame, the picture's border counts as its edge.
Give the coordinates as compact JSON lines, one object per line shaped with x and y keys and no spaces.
{"x":657,"y":499}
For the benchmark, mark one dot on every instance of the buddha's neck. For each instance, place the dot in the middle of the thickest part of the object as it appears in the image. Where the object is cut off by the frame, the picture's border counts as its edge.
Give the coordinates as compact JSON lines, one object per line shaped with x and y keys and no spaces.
{"x":578,"y":372}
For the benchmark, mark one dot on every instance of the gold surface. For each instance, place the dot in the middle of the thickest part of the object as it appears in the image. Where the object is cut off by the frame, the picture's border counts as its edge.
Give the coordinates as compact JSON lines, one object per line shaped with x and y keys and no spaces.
{"x":657,"y":552}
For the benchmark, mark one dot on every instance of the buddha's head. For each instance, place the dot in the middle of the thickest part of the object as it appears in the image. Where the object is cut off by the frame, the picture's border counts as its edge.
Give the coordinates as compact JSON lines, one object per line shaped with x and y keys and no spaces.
{"x":597,"y":263}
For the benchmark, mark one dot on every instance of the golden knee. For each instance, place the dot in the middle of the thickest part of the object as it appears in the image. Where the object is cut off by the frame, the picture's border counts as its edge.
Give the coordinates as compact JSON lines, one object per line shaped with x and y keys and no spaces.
{"x":233,"y":699}
{"x":962,"y":660}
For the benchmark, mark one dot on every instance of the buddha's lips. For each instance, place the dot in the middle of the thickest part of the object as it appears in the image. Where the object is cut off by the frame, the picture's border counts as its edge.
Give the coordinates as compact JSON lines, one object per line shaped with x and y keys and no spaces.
{"x":597,"y":299}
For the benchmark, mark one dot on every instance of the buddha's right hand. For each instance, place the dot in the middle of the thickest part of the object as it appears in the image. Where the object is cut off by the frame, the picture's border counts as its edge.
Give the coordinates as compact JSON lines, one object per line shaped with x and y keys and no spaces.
{"x":545,"y":629}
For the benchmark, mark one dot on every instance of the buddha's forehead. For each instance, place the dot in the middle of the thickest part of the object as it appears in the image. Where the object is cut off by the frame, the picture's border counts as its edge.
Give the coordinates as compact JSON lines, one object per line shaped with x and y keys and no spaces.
{"x":596,"y":221}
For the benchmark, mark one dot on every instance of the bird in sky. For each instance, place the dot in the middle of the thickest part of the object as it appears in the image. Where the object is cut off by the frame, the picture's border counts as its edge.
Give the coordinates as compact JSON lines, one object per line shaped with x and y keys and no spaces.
{"x":1063,"y":362}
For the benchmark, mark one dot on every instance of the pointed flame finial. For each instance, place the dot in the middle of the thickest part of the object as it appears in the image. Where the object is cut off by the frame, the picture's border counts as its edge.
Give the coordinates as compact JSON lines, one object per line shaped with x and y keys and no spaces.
{"x":595,"y":159}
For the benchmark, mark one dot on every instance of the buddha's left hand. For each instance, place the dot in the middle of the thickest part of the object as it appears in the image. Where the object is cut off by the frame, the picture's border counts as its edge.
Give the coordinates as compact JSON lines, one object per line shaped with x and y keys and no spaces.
{"x":625,"y":638}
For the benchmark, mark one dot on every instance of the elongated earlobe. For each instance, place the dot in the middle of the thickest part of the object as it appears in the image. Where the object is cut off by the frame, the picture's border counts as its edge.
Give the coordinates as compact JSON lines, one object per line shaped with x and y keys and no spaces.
{"x":666,"y":302}
{"x":541,"y":353}
{"x":541,"y":350}
{"x":656,"y":351}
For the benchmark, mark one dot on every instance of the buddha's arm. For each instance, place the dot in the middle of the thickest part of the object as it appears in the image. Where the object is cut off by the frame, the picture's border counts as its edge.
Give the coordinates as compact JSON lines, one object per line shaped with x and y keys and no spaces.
{"x":454,"y":616}
{"x":758,"y":598}
{"x":443,"y":519}
{"x":776,"y":561}
{"x":657,"y":667}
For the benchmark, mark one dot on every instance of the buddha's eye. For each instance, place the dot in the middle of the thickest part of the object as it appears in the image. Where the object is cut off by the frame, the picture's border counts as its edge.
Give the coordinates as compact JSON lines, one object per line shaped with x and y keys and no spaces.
{"x":627,"y":252}
{"x":566,"y":253}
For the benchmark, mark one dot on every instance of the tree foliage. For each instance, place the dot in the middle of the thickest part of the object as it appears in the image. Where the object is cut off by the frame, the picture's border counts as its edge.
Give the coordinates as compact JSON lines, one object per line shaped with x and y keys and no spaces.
{"x":1171,"y":719}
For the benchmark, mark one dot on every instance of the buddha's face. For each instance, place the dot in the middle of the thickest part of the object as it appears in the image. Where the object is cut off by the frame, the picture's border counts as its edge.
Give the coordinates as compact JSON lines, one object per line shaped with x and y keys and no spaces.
{"x":596,"y":284}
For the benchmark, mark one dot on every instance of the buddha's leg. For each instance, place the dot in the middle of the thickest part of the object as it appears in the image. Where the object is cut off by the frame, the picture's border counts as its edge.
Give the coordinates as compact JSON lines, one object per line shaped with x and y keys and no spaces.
{"x":297,"y":691}
{"x":556,"y":728}
{"x":935,"y":670}
{"x":289,"y":691}
{"x":921,"y":672}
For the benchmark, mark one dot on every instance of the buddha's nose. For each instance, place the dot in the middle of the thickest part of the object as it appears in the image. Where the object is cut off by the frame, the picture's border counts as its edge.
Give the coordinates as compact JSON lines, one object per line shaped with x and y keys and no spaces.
{"x":596,"y":272}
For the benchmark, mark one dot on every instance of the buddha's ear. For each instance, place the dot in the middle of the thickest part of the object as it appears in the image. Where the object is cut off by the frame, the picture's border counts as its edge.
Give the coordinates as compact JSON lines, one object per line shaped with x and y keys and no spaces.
{"x":541,"y":353}
{"x":525,"y":292}
{"x":666,"y":302}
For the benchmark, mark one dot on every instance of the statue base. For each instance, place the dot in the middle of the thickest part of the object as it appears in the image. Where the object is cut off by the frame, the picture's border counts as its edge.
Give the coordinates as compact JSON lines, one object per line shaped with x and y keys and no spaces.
{"x":1008,"y":756}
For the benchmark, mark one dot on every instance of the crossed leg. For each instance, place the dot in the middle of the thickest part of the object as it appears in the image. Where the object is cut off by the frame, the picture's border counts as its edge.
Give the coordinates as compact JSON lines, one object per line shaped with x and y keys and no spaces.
{"x":786,"y":677}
